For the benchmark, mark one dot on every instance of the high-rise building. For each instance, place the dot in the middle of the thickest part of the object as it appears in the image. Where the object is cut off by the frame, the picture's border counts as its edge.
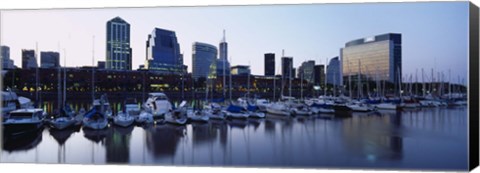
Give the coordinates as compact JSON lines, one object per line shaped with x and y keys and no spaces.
{"x":269,"y":63}
{"x":49,"y":59}
{"x":163,"y":52}
{"x":118,"y":51}
{"x":287,"y":67}
{"x":319,"y":75}
{"x":5,"y":57}
{"x":374,"y":57}
{"x":29,"y":59}
{"x":307,"y":70}
{"x":334,"y":73}
{"x":223,"y":65}
{"x":203,"y":57}
{"x":241,"y":70}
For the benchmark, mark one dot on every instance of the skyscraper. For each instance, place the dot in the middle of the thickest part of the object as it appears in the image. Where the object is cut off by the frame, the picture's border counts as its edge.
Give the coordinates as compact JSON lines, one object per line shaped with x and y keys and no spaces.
{"x":378,"y":56}
{"x":5,"y":58}
{"x":307,"y":70}
{"x":163,"y":52}
{"x":287,"y":67}
{"x":203,"y":57}
{"x":269,"y":64}
{"x":29,"y":59}
{"x":334,"y":75}
{"x":49,"y":59}
{"x":223,"y":58}
{"x":118,"y":51}
{"x":319,"y":75}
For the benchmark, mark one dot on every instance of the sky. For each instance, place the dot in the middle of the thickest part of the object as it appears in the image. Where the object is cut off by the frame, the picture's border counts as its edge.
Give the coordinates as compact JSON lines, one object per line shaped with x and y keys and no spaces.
{"x":434,"y":34}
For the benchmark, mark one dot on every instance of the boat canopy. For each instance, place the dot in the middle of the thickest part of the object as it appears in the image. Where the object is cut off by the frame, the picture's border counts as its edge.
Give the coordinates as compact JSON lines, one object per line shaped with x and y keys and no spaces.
{"x":235,"y":109}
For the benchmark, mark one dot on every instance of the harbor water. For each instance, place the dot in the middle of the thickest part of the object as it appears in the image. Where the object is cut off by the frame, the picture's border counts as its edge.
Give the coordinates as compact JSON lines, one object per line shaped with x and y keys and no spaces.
{"x":427,"y":138}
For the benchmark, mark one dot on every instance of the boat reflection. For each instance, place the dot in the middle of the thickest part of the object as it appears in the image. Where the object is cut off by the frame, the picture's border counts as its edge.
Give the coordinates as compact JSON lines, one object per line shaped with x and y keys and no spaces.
{"x":118,"y":142}
{"x":374,"y":138}
{"x":162,"y":140}
{"x":22,"y":142}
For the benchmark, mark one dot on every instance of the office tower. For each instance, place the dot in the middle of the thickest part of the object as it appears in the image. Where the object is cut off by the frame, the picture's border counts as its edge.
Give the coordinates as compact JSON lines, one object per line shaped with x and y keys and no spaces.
{"x":378,"y":56}
{"x":29,"y":59}
{"x":49,"y":59}
{"x":118,"y":50}
{"x":163,"y":52}
{"x":269,"y":64}
{"x":203,"y":57}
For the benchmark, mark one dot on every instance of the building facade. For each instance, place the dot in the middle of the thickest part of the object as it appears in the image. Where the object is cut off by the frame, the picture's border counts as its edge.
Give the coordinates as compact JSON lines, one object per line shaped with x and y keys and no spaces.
{"x":269,"y":64}
{"x":204,"y":58}
{"x":240,"y":70}
{"x":7,"y":63}
{"x":163,"y":53}
{"x":287,"y":68}
{"x":334,"y":72}
{"x":306,"y":71}
{"x":118,"y":50}
{"x":374,"y":57}
{"x":49,"y":59}
{"x":29,"y":59}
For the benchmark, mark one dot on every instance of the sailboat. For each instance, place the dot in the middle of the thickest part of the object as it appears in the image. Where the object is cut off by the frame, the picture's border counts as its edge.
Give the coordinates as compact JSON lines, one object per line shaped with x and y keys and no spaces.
{"x":65,"y":116}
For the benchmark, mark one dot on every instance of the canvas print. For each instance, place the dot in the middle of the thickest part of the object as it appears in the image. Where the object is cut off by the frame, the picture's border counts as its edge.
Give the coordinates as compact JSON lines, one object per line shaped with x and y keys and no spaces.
{"x":356,"y":86}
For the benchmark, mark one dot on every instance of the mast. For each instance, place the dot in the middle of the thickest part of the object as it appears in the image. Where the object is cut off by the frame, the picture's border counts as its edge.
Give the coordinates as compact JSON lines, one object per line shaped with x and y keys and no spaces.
{"x":58,"y":83}
{"x":64,"y":76}
{"x":223,"y":60}
{"x":326,"y":84}
{"x":449,"y":85}
{"x":423,"y":84}
{"x":36,"y":73}
{"x":416,"y":82}
{"x":359,"y":82}
{"x":248,"y":80}
{"x":274,"y":85}
{"x":93,"y":68}
{"x":290,"y":79}
{"x":230,"y":81}
{"x":301,"y":86}
{"x":349,"y":80}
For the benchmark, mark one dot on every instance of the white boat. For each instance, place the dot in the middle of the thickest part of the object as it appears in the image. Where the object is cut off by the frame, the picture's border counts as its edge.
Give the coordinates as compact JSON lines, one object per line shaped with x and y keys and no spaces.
{"x":123,"y":119}
{"x":157,"y":104}
{"x":262,"y":104}
{"x":360,"y":107}
{"x":386,"y":106}
{"x":177,"y":116}
{"x":300,"y":110}
{"x":61,"y":123}
{"x":95,"y":120}
{"x":197,"y":115}
{"x":236,"y":112}
{"x":13,"y":102}
{"x":144,"y":118}
{"x":254,"y":111}
{"x":132,"y":107}
{"x":278,"y":109}
{"x":65,"y":118}
{"x":214,"y":111}
{"x":23,"y":121}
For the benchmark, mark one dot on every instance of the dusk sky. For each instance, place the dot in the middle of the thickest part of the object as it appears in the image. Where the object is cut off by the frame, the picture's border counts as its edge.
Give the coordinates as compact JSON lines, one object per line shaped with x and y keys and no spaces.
{"x":434,"y":34}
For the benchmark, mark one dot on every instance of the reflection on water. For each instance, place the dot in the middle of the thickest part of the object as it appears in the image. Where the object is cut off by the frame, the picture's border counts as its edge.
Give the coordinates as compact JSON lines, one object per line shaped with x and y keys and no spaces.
{"x":434,"y":138}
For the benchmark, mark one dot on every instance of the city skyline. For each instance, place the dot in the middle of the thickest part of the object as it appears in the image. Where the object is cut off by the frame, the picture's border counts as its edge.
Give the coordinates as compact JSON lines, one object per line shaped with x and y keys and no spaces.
{"x":250,"y":40}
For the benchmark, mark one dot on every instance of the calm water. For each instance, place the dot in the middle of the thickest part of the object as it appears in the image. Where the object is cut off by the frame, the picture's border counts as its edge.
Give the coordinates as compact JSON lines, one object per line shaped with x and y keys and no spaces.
{"x":434,"y":138}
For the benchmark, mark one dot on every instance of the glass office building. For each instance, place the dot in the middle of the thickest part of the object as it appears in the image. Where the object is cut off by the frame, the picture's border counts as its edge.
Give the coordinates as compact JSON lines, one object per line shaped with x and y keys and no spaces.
{"x":29,"y":59}
{"x":163,"y":53}
{"x":5,"y":58}
{"x":378,"y":57}
{"x":306,"y":71}
{"x":334,"y":72}
{"x":49,"y":59}
{"x":204,"y":58}
{"x":287,"y":68}
{"x":269,"y":64}
{"x":118,"y":51}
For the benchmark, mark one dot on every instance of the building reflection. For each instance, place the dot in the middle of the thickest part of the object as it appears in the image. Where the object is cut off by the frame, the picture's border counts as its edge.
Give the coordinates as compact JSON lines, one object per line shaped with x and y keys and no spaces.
{"x":162,"y":140}
{"x":118,"y":144}
{"x":374,"y":137}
